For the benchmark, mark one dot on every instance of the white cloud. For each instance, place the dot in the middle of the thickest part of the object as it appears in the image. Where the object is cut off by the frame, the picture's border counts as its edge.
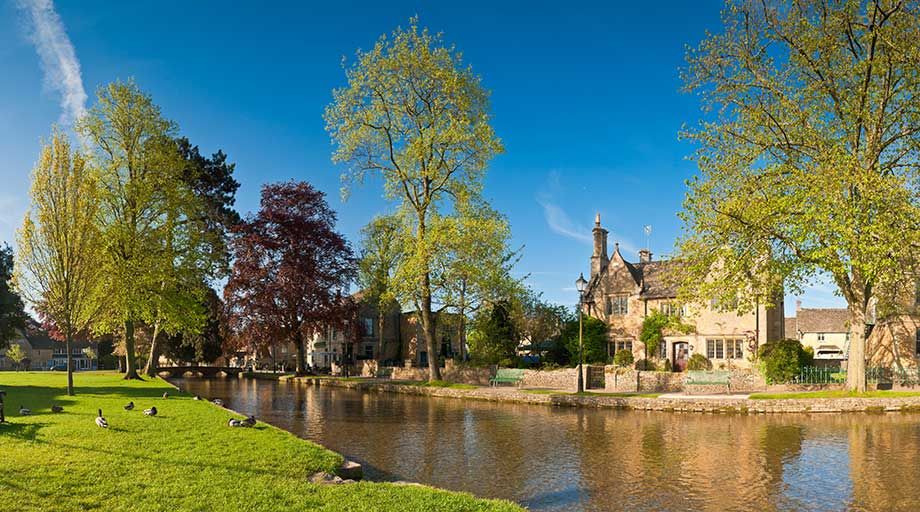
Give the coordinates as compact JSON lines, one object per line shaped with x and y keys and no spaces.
{"x":560,"y":223}
{"x":58,"y":58}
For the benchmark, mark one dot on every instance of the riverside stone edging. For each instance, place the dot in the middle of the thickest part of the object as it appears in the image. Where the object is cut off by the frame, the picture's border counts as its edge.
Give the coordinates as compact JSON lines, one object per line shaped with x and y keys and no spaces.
{"x":725,"y":405}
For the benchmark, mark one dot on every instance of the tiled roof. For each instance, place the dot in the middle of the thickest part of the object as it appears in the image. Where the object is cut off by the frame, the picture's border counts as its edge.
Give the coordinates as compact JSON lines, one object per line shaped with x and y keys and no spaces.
{"x":822,"y":320}
{"x":655,"y":279}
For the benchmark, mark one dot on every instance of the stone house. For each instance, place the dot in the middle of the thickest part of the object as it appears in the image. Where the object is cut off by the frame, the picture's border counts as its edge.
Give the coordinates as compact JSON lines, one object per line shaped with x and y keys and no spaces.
{"x":402,"y":343}
{"x":43,"y":353}
{"x":895,"y":339}
{"x":825,"y":330}
{"x":623,"y":293}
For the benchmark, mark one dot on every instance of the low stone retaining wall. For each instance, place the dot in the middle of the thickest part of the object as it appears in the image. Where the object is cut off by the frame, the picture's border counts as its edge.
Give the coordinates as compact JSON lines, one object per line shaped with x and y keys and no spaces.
{"x":727,"y":405}
{"x":563,"y":378}
{"x":450,"y":373}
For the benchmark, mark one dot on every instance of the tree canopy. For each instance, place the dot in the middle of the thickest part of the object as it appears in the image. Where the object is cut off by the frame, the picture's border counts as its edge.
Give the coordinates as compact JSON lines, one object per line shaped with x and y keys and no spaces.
{"x":60,"y":244}
{"x":157,"y":249}
{"x":291,"y":270}
{"x":415,"y":115}
{"x":12,"y":310}
{"x":807,"y":156}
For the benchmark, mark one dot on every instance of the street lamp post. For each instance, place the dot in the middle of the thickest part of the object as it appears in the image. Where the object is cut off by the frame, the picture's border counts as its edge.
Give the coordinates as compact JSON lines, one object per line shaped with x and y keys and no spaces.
{"x":580,"y":285}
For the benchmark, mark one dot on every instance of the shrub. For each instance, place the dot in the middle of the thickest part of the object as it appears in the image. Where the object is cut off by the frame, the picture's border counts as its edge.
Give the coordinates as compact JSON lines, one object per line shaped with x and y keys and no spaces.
{"x":666,"y":366}
{"x":699,"y":362}
{"x":623,"y":358}
{"x":782,"y":360}
{"x":646,"y":365}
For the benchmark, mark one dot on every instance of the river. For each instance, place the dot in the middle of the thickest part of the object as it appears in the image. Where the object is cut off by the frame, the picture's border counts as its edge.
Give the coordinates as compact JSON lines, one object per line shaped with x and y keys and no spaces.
{"x":555,"y":459}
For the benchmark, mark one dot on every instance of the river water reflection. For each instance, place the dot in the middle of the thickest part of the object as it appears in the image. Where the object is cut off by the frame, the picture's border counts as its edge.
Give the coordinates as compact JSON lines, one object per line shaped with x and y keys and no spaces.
{"x":549,"y":458}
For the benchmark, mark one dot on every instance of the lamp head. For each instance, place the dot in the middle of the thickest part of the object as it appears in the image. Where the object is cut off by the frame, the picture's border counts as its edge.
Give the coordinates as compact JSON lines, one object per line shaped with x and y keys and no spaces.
{"x":581,"y":284}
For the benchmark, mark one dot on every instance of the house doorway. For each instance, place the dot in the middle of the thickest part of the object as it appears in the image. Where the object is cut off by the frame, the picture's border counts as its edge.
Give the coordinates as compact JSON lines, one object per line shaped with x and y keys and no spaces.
{"x":681,"y":355}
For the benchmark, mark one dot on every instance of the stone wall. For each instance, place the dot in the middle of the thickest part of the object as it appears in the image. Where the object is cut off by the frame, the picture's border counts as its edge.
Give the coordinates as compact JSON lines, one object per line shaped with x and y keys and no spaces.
{"x":727,"y":405}
{"x":563,"y":378}
{"x":627,"y":380}
{"x":450,"y":373}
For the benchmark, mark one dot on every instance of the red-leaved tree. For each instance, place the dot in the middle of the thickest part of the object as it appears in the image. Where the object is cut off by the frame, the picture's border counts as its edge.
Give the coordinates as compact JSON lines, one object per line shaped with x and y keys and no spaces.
{"x":290,"y":270}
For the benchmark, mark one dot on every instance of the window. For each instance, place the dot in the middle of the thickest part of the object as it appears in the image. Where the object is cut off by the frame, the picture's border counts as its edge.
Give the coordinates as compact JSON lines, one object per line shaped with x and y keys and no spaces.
{"x":369,"y":351}
{"x":917,"y":293}
{"x":608,"y":308}
{"x":619,"y":345}
{"x":60,"y":351}
{"x":77,"y":351}
{"x":715,"y":349}
{"x":820,"y":336}
{"x":368,"y":326}
{"x":671,"y":309}
{"x":618,"y":305}
{"x":663,"y":349}
{"x":917,"y":344}
{"x":734,"y":349}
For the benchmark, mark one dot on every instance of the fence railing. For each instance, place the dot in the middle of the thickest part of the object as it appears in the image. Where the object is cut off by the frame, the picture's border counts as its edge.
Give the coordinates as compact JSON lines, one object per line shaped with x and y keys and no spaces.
{"x":874,"y":375}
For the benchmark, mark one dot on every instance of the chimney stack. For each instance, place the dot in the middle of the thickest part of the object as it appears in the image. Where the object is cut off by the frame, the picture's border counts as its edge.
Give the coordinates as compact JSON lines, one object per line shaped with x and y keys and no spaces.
{"x":798,"y":306}
{"x":645,"y":256}
{"x":599,"y":258}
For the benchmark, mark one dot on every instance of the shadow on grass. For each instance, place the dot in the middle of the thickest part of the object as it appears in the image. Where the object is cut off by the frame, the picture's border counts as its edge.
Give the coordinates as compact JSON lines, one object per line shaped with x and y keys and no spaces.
{"x":21,"y":431}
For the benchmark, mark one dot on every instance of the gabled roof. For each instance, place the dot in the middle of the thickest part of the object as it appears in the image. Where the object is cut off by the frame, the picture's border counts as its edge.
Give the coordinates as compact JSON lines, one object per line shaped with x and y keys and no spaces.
{"x":822,"y":320}
{"x":650,"y":276}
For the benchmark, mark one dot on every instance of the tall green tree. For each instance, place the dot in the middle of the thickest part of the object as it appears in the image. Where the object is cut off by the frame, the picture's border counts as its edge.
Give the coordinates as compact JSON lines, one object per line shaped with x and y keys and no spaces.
{"x":415,"y":115}
{"x":12,"y":310}
{"x":807,"y":156}
{"x":477,"y":263}
{"x":381,"y":254}
{"x":211,"y":182}
{"x":60,"y":244}
{"x":157,"y":250}
{"x":494,"y":338}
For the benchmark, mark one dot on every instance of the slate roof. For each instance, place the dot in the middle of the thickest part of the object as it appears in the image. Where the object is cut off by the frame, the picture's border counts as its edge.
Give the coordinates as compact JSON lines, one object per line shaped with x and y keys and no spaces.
{"x":821,"y":320}
{"x":653,"y":275}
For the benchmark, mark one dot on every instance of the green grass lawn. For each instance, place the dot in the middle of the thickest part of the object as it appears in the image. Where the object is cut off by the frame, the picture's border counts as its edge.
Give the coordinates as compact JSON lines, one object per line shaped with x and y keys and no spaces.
{"x":591,"y":393}
{"x":186,"y":458}
{"x":833,"y":394}
{"x":435,"y":384}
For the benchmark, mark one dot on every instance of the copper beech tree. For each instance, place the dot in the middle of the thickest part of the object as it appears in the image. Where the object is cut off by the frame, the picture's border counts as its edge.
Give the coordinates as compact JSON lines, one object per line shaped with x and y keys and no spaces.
{"x":290,"y":270}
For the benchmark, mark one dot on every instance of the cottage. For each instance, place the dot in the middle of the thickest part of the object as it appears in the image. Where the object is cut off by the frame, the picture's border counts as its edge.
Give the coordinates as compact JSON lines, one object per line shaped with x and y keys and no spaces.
{"x":623,"y":293}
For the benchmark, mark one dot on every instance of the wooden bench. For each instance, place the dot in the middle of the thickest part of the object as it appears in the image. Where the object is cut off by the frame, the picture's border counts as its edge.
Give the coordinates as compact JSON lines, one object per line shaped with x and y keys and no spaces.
{"x":712,"y":378}
{"x":507,"y":375}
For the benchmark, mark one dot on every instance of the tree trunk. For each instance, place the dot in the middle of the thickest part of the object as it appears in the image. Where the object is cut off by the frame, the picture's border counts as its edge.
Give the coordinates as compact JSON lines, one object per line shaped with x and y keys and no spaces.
{"x":856,"y":360}
{"x":462,"y":312}
{"x":301,"y":359}
{"x":67,"y":343}
{"x":153,"y":362}
{"x":434,"y":371}
{"x":381,"y":318}
{"x":130,"y":363}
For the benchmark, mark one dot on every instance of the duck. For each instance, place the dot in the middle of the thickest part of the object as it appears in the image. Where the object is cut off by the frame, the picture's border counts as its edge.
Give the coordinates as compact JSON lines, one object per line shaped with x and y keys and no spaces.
{"x":165,"y":394}
{"x":23,"y":411}
{"x":249,"y":421}
{"x":130,"y":406}
{"x":56,"y":408}
{"x":151,"y":412}
{"x":100,"y":420}
{"x":235,"y":422}
{"x":218,"y":401}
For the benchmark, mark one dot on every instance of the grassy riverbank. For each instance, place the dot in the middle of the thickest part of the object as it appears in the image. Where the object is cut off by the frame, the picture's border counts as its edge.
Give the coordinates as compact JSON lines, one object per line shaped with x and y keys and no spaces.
{"x":186,"y":458}
{"x":833,"y":394}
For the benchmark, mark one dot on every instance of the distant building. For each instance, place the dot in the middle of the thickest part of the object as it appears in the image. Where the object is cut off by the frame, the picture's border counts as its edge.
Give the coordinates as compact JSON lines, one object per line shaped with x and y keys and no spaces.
{"x":622,"y":294}
{"x":402,"y":343}
{"x":825,"y":330}
{"x":43,"y":353}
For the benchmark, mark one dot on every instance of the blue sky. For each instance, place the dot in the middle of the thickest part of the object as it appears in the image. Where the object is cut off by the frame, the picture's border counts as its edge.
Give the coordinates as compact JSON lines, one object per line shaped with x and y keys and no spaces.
{"x":585,"y":97}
